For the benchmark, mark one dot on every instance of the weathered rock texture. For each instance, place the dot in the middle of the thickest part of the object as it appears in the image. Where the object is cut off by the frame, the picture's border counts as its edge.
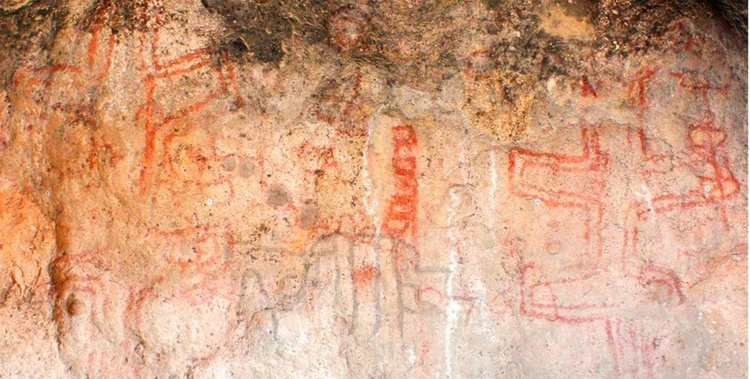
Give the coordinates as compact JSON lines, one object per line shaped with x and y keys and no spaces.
{"x":384,"y":189}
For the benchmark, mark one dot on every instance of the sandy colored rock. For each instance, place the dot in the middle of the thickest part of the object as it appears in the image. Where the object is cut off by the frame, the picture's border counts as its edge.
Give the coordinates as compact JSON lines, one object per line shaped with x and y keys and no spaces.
{"x":394,"y":189}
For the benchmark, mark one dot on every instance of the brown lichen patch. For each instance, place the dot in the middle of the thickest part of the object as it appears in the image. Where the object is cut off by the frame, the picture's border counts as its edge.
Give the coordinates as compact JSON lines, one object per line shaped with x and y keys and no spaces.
{"x":10,"y":6}
{"x":633,"y":26}
{"x":256,"y":31}
{"x":556,"y":21}
{"x":504,"y":77}
{"x":406,"y":35}
{"x":26,"y":30}
{"x":501,"y":105}
{"x":131,"y":15}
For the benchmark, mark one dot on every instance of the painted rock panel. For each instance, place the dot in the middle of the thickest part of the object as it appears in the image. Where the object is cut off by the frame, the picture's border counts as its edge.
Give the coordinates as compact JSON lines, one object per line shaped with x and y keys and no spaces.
{"x":525,"y":189}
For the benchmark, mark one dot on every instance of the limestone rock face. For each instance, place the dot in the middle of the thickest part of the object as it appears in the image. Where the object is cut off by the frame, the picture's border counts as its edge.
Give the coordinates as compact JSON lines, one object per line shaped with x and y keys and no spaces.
{"x":390,"y":189}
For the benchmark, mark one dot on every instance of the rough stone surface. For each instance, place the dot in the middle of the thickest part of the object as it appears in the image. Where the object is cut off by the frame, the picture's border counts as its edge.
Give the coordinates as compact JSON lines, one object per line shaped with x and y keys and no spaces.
{"x":390,"y":189}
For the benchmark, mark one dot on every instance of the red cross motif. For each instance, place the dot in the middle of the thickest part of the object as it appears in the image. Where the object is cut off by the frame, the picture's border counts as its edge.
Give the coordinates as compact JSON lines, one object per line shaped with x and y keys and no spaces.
{"x":158,"y":112}
{"x":585,"y":197}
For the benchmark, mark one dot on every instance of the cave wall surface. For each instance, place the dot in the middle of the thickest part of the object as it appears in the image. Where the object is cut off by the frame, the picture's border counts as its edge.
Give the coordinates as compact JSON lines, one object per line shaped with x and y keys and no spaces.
{"x":373,"y":189}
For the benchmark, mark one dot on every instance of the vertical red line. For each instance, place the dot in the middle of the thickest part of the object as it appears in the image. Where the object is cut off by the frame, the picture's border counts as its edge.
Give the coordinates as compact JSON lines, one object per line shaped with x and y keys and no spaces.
{"x":725,"y":218}
{"x":642,"y":141}
{"x":107,"y":59}
{"x":150,"y":130}
{"x":91,"y":55}
{"x":634,"y":339}
{"x":233,"y":79}
{"x":586,"y":88}
{"x":625,"y":250}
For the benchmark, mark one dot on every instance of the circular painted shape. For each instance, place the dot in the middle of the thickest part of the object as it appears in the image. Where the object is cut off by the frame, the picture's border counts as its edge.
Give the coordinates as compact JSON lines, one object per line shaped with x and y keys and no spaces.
{"x":553,"y":247}
{"x":276,"y":196}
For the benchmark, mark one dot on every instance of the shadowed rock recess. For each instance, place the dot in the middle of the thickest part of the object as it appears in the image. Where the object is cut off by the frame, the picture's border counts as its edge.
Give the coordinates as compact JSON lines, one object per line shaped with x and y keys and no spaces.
{"x":373,"y":189}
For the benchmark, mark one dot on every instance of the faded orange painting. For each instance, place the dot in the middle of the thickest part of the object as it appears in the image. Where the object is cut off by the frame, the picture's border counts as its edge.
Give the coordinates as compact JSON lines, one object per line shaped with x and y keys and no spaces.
{"x":394,"y":189}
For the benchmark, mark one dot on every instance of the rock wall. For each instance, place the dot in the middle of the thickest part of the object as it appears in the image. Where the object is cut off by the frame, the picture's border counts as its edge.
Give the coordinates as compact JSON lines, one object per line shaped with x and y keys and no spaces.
{"x":391,"y":189}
